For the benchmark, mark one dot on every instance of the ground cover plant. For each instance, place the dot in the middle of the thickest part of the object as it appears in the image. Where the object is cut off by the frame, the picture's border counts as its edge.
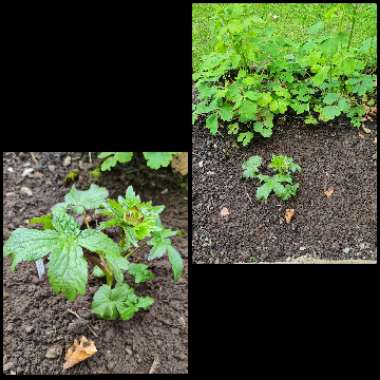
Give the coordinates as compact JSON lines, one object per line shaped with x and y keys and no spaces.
{"x":71,"y":244}
{"x":281,"y":183}
{"x":154,"y":160}
{"x":254,"y":75}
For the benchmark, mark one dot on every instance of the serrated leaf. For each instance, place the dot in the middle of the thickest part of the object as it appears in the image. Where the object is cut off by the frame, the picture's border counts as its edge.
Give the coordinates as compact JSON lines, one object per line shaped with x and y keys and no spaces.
{"x":156,"y":160}
{"x":233,"y":129}
{"x":330,"y":98}
{"x":265,"y":99}
{"x":68,"y":270}
{"x":260,"y":128}
{"x":45,"y":220}
{"x":245,"y":138}
{"x":176,"y":262}
{"x":140,"y":272}
{"x":89,"y":199}
{"x":226,"y":112}
{"x":251,"y":166}
{"x":212,"y":123}
{"x":263,"y":192}
{"x":97,"y":272}
{"x":105,"y":154}
{"x":97,"y":241}
{"x":329,"y":113}
{"x":30,"y":245}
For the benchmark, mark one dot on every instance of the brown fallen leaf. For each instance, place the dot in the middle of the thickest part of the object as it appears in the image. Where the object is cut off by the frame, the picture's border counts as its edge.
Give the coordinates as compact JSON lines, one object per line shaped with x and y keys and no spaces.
{"x":79,"y":352}
{"x":289,"y":214}
{"x":366,"y":130}
{"x":224,"y":211}
{"x":180,"y":163}
{"x":329,"y":192}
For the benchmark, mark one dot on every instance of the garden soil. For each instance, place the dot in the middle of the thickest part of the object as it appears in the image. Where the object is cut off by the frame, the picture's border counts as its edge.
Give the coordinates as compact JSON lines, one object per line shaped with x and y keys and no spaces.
{"x":36,"y":322}
{"x":333,"y":156}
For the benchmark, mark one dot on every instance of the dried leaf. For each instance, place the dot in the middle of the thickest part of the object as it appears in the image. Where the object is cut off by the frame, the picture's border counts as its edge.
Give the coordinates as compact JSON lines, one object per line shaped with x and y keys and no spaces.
{"x":289,"y":214}
{"x":329,"y":192}
{"x":224,"y":211}
{"x":366,"y":130}
{"x":180,"y":163}
{"x":361,"y":135}
{"x":79,"y":352}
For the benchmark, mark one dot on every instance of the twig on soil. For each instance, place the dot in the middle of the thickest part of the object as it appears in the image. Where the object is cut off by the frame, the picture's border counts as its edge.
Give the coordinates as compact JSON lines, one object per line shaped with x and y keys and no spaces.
{"x":155,"y":364}
{"x":89,"y":157}
{"x":34,"y":158}
{"x":250,"y":200}
{"x":79,"y":317}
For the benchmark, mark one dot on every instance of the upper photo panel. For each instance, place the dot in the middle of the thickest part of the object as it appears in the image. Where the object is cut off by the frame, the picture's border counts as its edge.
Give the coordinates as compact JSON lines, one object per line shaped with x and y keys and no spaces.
{"x":284,"y":134}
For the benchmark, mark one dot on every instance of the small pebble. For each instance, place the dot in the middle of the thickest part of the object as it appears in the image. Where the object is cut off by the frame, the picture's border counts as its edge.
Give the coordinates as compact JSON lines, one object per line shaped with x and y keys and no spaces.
{"x":346,"y":250}
{"x":51,"y":168}
{"x":10,"y":170}
{"x":25,"y":190}
{"x":302,"y":248}
{"x":128,"y":351}
{"x":53,"y":352}
{"x":165,"y":191}
{"x":8,"y":366}
{"x":28,"y":329}
{"x":27,"y":172}
{"x":67,"y":161}
{"x":200,"y":164}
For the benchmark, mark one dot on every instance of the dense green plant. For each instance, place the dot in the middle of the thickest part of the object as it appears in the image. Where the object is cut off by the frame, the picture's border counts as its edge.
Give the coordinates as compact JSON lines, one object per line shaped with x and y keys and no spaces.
{"x":281,"y":183}
{"x":154,"y":160}
{"x":253,"y":75}
{"x":71,"y":243}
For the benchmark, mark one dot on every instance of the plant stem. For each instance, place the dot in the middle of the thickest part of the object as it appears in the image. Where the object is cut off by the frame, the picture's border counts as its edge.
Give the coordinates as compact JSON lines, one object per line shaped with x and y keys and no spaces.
{"x":352,"y":26}
{"x":97,"y":261}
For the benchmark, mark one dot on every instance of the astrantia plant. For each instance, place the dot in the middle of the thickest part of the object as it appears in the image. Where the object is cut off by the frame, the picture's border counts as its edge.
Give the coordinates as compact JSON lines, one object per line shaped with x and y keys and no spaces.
{"x":253,"y":75}
{"x":281,"y":183}
{"x":71,"y":244}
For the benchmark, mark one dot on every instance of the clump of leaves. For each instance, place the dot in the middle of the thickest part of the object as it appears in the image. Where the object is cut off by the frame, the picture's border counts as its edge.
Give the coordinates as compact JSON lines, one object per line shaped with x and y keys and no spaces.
{"x":70,"y":247}
{"x":154,"y":160}
{"x":254,"y":74}
{"x":281,"y":183}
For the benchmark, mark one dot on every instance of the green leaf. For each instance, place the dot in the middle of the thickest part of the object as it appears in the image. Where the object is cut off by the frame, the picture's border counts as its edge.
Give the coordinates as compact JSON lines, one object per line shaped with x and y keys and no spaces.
{"x":330,"y":98}
{"x":160,"y":242}
{"x":212,"y":123}
{"x":329,"y":113}
{"x":226,"y":112}
{"x":97,"y":241}
{"x":97,"y":272}
{"x":30,"y":245}
{"x":311,"y":120}
{"x":233,"y":129}
{"x":105,"y":154}
{"x":264,"y":99}
{"x":120,"y":302}
{"x":247,"y":111}
{"x":260,"y":128}
{"x":89,"y":199}
{"x":68,"y":270}
{"x":321,"y":76}
{"x":140,"y":272}
{"x":253,"y":95}
{"x":176,"y":262}
{"x":44,"y":220}
{"x":245,"y":138}
{"x":263,"y":192}
{"x":251,"y":166}
{"x":156,"y":160}
{"x":343,"y":105}
{"x":316,"y":28}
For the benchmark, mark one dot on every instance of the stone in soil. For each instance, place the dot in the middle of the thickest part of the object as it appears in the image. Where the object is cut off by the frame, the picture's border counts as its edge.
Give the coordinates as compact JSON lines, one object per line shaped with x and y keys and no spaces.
{"x":53,"y":352}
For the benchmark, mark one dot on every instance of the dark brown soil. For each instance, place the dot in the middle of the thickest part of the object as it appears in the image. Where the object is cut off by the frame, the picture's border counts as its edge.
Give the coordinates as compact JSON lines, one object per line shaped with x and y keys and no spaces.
{"x":35,"y":320}
{"x":332,"y":155}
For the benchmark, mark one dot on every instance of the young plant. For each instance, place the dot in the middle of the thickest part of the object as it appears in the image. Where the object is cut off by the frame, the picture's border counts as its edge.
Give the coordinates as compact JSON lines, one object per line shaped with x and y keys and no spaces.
{"x":253,"y":75}
{"x":71,"y":244}
{"x":154,"y":160}
{"x":281,"y":183}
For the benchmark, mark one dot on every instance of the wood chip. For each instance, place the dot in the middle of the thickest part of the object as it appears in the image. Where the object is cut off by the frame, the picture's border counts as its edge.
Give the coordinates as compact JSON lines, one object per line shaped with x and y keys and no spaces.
{"x":224,"y":212}
{"x":329,"y":192}
{"x":289,"y":214}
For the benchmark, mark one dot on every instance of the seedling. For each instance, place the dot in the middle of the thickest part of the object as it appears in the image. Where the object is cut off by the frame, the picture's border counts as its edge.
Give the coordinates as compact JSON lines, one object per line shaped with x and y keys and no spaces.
{"x":71,"y":244}
{"x":281,"y":183}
